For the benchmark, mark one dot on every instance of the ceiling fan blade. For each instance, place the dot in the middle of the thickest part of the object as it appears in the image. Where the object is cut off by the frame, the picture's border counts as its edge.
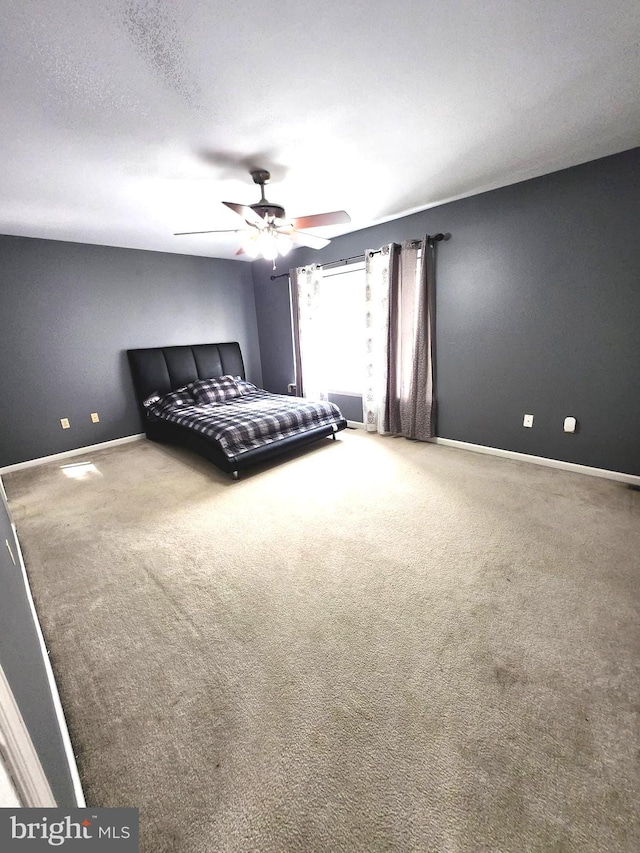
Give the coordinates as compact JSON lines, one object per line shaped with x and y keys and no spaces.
{"x":228,"y":231}
{"x":336,"y":217}
{"x":245,"y":212}
{"x":310,"y":240}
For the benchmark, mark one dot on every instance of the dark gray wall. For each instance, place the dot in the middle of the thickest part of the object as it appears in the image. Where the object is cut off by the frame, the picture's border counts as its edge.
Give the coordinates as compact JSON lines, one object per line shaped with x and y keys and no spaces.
{"x":538,"y":311}
{"x":69,"y":312}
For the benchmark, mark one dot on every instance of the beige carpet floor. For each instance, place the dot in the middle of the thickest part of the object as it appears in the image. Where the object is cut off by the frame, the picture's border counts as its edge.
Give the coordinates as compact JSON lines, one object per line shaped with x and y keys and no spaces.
{"x":378,"y":645}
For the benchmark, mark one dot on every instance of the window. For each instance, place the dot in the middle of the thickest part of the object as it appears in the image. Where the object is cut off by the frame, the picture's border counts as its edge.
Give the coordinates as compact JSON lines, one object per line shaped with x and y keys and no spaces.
{"x":343,"y":319}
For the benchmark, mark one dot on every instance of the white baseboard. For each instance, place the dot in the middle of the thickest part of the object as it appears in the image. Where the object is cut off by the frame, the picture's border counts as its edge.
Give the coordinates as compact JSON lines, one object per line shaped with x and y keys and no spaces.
{"x":79,"y":451}
{"x":620,"y":476}
{"x":541,"y":460}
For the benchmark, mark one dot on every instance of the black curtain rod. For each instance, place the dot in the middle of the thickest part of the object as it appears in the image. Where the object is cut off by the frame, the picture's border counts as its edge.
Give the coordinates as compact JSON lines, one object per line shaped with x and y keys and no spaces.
{"x":436,"y":238}
{"x":328,"y":264}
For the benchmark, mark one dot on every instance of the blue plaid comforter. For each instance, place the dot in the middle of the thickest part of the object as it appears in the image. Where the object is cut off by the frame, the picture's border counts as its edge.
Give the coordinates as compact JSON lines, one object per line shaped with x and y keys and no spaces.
{"x":251,"y":420}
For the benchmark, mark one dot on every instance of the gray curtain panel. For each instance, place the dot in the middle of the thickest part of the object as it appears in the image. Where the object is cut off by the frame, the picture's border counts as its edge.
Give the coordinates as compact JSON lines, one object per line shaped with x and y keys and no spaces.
{"x":410,"y":398}
{"x":422,"y":392}
{"x":391,"y":420}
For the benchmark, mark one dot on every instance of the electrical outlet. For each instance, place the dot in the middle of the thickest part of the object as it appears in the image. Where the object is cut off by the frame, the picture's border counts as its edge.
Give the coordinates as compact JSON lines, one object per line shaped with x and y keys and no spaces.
{"x":527,"y":421}
{"x":95,"y":418}
{"x":64,"y":423}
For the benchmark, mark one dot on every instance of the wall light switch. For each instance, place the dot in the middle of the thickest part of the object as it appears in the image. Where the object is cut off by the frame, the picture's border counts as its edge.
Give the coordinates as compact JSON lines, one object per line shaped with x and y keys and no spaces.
{"x":527,"y":421}
{"x":94,"y":418}
{"x":64,"y":423}
{"x":569,"y":424}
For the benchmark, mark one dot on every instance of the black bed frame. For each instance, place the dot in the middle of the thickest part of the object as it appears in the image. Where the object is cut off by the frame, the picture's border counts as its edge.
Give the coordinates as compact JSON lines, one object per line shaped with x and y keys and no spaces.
{"x":159,"y":370}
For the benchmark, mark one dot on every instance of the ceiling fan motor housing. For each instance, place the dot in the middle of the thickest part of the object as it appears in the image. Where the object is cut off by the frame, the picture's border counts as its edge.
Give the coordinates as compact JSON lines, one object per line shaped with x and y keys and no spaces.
{"x":260,"y":176}
{"x":268,"y":210}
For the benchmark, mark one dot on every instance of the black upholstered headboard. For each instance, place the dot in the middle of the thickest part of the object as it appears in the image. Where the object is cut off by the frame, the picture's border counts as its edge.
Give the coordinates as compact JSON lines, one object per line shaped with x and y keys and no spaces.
{"x":159,"y":370}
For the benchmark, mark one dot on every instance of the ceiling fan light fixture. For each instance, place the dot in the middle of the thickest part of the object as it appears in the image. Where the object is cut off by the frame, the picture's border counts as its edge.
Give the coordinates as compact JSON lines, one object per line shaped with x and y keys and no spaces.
{"x":266,"y":243}
{"x":250,"y":246}
{"x":285,"y":244}
{"x":269,"y":252}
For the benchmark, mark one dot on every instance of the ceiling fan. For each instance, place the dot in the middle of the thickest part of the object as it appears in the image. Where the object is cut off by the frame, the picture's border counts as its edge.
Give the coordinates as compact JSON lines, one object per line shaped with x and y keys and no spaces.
{"x":267,"y":232}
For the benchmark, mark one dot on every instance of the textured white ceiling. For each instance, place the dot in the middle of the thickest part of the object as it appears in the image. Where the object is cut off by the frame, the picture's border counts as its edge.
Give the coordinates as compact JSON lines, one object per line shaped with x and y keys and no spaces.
{"x":126,"y":120}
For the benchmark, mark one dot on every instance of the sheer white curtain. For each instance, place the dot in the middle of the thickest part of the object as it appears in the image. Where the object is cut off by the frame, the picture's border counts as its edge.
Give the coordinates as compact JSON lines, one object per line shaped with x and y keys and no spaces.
{"x":400,"y":341}
{"x":378,"y":270}
{"x":309,"y":331}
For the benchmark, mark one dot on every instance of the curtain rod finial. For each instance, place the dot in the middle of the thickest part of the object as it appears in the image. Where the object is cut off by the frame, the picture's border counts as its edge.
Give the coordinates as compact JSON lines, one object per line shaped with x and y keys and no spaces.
{"x":436,"y":238}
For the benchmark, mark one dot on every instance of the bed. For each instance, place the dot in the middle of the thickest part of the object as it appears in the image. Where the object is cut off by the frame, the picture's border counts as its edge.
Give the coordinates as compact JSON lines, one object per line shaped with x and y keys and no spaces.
{"x":198,"y":397}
